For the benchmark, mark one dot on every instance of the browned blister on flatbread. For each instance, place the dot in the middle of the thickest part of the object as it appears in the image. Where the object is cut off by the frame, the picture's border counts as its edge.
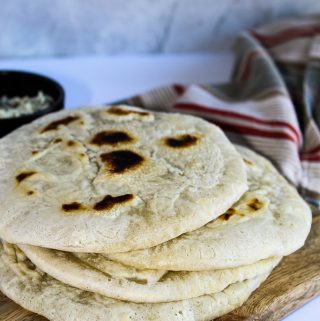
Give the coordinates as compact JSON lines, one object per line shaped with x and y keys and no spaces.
{"x":121,"y":113}
{"x":111,"y":138}
{"x":117,"y":110}
{"x":61,"y":122}
{"x":109,"y":202}
{"x":121,"y":161}
{"x":182,"y":141}
{"x":24,"y":175}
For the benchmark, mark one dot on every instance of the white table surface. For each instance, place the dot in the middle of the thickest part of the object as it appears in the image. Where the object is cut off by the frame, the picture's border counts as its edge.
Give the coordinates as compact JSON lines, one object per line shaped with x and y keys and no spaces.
{"x":99,"y":80}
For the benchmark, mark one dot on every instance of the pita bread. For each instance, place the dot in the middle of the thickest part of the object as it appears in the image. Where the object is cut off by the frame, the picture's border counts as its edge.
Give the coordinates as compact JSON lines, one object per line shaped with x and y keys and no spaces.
{"x":94,"y":273}
{"x":271,"y":219}
{"x":114,"y":179}
{"x":46,"y":296}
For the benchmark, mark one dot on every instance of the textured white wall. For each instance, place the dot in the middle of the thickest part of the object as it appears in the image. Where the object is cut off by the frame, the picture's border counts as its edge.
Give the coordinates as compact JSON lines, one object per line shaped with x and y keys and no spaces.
{"x":82,"y":27}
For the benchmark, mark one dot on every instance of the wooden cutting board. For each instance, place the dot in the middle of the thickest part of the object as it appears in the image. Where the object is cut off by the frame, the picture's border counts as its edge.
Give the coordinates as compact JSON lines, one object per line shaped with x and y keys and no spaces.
{"x":292,"y":284}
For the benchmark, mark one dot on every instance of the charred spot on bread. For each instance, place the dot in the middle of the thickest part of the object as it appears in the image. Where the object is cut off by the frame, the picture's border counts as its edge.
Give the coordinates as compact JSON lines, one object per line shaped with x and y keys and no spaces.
{"x":118,"y":111}
{"x":230,"y":212}
{"x":71,"y":143}
{"x":24,"y":175}
{"x":255,"y":204}
{"x":111,"y":138}
{"x":108,"y":202}
{"x":61,"y":122}
{"x":182,"y":141}
{"x":121,"y":161}
{"x":72,"y":207}
{"x":57,"y":141}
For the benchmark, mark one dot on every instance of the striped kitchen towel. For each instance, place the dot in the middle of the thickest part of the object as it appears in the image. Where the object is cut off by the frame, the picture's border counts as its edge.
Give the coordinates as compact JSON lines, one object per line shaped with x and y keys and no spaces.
{"x":272,"y":102}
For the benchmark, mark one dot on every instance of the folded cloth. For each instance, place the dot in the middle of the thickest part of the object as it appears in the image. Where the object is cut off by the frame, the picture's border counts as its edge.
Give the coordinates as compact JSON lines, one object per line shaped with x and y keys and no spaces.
{"x":272,"y":102}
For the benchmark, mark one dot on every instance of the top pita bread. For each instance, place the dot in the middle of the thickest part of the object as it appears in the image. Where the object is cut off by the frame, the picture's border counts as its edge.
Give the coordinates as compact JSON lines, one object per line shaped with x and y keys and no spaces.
{"x":114,"y":179}
{"x":271,"y":219}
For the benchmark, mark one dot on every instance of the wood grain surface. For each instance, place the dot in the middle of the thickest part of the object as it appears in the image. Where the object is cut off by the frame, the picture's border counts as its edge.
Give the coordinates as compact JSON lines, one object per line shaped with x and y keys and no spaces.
{"x":292,"y":284}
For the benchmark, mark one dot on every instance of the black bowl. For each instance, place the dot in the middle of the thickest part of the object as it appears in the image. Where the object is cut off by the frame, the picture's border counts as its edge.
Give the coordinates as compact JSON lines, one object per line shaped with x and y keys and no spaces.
{"x":19,"y":83}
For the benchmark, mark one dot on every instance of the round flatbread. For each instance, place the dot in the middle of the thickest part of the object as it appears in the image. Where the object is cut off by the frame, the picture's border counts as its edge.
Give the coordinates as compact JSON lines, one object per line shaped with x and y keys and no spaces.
{"x":114,"y":179}
{"x":271,"y":219}
{"x":46,"y":296}
{"x":95,"y":273}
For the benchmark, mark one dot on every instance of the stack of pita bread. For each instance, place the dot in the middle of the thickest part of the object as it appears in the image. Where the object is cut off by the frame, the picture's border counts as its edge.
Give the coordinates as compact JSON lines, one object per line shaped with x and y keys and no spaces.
{"x":118,"y":213}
